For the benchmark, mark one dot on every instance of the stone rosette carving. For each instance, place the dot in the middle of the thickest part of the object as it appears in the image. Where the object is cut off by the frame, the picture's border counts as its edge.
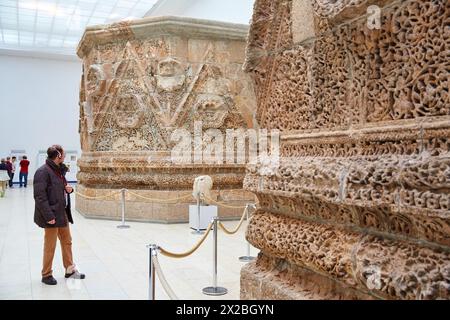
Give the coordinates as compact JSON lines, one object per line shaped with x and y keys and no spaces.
{"x":142,"y":80}
{"x":361,"y":195}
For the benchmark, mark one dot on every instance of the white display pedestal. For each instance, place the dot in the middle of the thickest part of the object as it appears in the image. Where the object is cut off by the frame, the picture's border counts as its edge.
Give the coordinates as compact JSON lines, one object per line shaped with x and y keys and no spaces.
{"x":206,"y":215}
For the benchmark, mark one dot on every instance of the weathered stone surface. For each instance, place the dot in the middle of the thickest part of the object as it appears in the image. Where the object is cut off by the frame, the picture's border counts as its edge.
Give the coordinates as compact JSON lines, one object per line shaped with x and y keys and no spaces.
{"x":142,"y":80}
{"x":406,"y":270}
{"x":302,"y":21}
{"x":364,"y":179}
{"x":277,"y":279}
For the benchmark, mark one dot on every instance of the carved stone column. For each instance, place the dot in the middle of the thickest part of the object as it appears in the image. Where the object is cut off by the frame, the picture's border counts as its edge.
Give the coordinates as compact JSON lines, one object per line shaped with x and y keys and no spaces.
{"x":142,"y":80}
{"x":360,"y":205}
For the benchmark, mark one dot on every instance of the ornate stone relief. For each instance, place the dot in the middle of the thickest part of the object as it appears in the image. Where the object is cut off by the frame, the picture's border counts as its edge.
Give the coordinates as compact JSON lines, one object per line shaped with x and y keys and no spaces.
{"x":379,"y":267}
{"x":141,"y":81}
{"x":164,"y":88}
{"x":365,"y":121}
{"x":362,"y":82}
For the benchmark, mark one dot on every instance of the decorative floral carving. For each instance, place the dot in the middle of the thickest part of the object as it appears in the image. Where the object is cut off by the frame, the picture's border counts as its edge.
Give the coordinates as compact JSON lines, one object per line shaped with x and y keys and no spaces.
{"x":379,"y":267}
{"x":365,"y":121}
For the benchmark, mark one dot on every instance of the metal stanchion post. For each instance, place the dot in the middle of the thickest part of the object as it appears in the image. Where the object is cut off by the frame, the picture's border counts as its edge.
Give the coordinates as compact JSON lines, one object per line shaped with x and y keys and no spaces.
{"x":248,"y":257}
{"x":151,"y":271}
{"x":215,"y":290}
{"x":123,"y":225}
{"x":198,"y":231}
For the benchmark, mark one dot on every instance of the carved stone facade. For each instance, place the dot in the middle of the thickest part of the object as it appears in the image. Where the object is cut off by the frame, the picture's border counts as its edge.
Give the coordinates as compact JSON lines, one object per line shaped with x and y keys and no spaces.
{"x":360,"y":205}
{"x":142,"y":80}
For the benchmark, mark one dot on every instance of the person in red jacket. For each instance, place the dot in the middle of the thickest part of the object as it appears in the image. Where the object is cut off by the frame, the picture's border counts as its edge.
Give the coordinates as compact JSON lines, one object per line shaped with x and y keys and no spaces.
{"x":23,"y":174}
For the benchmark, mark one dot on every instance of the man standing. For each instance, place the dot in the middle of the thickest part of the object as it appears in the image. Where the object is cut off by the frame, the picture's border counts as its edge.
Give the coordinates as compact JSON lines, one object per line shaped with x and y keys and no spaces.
{"x":13,"y":170}
{"x":50,"y":194}
{"x":4,"y":177}
{"x":23,"y":174}
{"x":9,"y":168}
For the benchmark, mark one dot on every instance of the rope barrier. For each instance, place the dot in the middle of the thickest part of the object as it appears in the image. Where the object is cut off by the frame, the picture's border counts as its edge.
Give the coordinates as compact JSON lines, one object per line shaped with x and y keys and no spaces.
{"x":189,"y":252}
{"x":163,"y":279}
{"x":96,"y":198}
{"x":224,"y":205}
{"x":238,"y":227}
{"x":132,"y":193}
{"x":159,"y":200}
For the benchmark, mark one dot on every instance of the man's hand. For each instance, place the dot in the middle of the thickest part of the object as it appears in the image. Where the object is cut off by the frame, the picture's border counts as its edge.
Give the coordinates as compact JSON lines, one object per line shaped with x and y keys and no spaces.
{"x":52,"y":221}
{"x":69,"y":189}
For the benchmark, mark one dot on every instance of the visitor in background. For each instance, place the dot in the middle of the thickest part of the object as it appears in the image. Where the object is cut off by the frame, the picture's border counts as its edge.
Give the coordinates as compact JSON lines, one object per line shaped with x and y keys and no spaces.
{"x":13,"y":170}
{"x":23,"y":174}
{"x":4,"y":177}
{"x":50,"y":190}
{"x":3,"y":165}
{"x":9,"y":168}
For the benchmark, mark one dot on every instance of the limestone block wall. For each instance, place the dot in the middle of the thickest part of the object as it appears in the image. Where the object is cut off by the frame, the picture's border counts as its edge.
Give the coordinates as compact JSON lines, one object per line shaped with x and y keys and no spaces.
{"x":142,"y":80}
{"x":360,"y":205}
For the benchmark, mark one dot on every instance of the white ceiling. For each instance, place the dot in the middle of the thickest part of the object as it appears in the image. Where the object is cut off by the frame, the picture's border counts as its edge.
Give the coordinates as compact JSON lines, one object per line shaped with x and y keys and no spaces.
{"x":56,"y":26}
{"x":234,"y":11}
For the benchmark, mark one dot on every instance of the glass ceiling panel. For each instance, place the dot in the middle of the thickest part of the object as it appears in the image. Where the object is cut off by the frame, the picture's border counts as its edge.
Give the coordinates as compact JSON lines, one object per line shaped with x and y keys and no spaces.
{"x":121,"y":11}
{"x":57,"y":25}
{"x":102,"y":7}
{"x":9,"y":10}
{"x":42,"y":27}
{"x":126,"y":4}
{"x":86,"y":6}
{"x":41,"y":39}
{"x":26,"y":12}
{"x":56,"y":43}
{"x":10,"y":3}
{"x":95,"y":21}
{"x":10,"y":36}
{"x":9,"y":23}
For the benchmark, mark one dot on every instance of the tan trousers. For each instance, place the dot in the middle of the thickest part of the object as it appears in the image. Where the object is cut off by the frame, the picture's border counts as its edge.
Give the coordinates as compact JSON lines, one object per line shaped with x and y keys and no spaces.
{"x":3,"y":188}
{"x":65,"y":239}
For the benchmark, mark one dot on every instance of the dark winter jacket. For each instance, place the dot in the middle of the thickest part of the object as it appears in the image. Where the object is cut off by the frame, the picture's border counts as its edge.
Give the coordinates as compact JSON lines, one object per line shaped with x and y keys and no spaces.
{"x":49,"y":195}
{"x":9,"y":167}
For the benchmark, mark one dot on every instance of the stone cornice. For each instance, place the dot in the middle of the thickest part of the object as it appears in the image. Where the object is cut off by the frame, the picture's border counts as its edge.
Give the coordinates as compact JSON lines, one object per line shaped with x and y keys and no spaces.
{"x":395,"y":130}
{"x":158,"y":26}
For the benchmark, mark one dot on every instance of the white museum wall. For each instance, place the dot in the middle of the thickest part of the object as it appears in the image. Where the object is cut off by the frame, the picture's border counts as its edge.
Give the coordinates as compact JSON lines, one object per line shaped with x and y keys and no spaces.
{"x":234,"y":11}
{"x":38,"y":105}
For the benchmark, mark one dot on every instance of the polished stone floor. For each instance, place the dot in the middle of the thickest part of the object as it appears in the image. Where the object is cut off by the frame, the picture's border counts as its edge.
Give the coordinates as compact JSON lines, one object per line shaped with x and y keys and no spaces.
{"x":114,"y":260}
